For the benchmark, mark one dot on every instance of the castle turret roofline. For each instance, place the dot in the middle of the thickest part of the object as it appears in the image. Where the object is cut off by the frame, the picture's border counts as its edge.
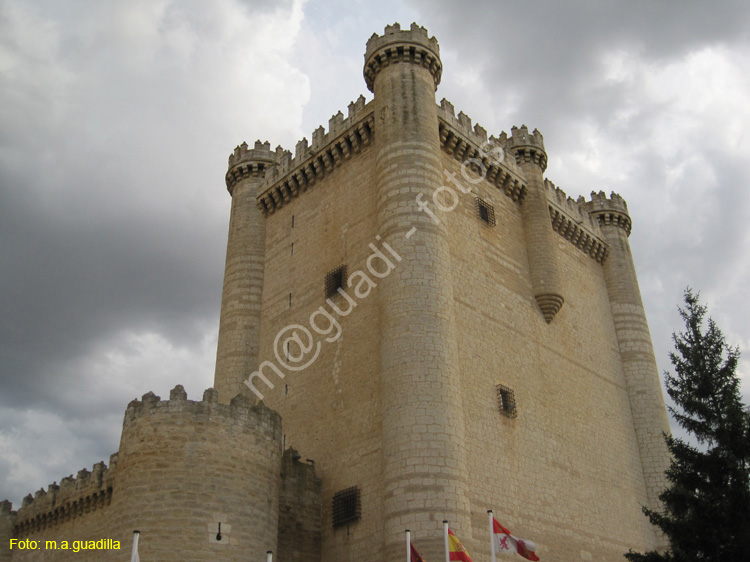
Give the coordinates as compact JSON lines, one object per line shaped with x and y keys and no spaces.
{"x":398,"y":46}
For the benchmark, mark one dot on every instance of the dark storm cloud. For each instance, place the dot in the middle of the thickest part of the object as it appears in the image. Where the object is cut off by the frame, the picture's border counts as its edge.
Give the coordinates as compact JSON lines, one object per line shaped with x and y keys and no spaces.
{"x":116,"y":120}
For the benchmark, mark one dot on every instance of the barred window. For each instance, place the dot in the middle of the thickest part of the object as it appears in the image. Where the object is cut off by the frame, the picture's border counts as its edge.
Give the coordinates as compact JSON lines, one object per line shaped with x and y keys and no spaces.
{"x":347,"y":507}
{"x":334,"y":280}
{"x":486,"y":212}
{"x":506,"y":401}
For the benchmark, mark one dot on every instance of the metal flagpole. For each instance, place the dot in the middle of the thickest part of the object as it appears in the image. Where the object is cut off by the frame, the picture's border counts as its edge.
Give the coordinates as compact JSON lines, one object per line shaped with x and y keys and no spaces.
{"x":408,"y":545}
{"x":134,"y":554}
{"x":447,"y":548}
{"x":492,"y":534}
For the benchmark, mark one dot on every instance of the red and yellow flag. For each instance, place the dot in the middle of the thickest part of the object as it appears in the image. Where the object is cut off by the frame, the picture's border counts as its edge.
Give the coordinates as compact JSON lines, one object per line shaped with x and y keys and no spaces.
{"x":415,"y":556}
{"x":456,"y":550}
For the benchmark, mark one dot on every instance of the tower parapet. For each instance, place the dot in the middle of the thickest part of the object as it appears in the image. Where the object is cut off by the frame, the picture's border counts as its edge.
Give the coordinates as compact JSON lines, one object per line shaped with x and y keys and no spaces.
{"x":247,"y":162}
{"x":525,"y":146}
{"x":571,"y":220}
{"x":612,"y":210}
{"x":346,"y":137}
{"x":458,"y":139}
{"x":399,"y":46}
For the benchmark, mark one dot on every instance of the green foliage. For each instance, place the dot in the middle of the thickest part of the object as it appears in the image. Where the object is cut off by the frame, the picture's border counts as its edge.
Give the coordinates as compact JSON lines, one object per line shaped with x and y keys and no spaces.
{"x":706,"y":507}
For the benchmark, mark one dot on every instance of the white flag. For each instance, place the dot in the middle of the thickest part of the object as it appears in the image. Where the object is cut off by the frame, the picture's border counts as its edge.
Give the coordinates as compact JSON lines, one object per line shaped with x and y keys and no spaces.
{"x":134,"y":556}
{"x":503,"y":541}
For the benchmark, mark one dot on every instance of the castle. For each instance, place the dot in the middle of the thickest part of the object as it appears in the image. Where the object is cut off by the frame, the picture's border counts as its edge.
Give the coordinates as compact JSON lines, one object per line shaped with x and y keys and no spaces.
{"x":440,"y":328}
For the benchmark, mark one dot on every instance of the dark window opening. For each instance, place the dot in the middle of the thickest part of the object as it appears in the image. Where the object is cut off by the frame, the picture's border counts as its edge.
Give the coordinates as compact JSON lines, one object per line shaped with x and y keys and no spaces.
{"x":506,"y":401}
{"x":347,"y":507}
{"x":335,"y":281}
{"x":486,"y":212}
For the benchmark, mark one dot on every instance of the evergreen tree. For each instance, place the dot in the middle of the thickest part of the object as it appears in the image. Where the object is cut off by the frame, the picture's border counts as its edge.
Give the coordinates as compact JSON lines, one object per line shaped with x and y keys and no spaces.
{"x":706,"y":506}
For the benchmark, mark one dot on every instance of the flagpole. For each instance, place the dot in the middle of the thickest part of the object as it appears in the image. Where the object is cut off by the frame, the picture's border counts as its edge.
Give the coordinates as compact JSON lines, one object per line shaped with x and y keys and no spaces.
{"x":408,"y":545}
{"x":445,"y":535}
{"x":269,"y":556}
{"x":134,"y":553}
{"x":492,"y":534}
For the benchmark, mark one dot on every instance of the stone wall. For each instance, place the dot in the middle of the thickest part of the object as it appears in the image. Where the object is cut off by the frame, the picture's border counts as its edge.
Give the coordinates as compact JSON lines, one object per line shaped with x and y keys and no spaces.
{"x":7,"y":521}
{"x":299,"y":510}
{"x":183,"y":467}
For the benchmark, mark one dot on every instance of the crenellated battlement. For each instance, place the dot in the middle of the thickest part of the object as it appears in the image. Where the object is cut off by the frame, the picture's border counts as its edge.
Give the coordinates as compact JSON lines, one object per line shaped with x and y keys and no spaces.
{"x":612,"y":210}
{"x":464,"y":143}
{"x":247,"y":162}
{"x":239,"y":409}
{"x":572,"y":221}
{"x":74,"y":497}
{"x":397,"y":46}
{"x":525,"y":146}
{"x":260,"y":153}
{"x":346,"y":137}
{"x":478,"y":134}
{"x":574,"y":207}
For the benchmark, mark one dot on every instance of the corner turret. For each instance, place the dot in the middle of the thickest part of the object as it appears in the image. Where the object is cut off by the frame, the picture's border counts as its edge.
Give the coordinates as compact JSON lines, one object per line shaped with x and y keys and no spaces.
{"x":396,"y":46}
{"x":525,"y":146}
{"x":634,"y":340}
{"x":611,"y":210}
{"x":237,"y":350}
{"x":402,"y":69}
{"x":245,"y":162}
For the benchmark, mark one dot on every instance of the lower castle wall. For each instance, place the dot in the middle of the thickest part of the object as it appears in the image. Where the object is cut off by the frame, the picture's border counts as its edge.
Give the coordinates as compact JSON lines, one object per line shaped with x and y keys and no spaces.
{"x":299,"y":511}
{"x":183,"y":468}
{"x":7,"y":520}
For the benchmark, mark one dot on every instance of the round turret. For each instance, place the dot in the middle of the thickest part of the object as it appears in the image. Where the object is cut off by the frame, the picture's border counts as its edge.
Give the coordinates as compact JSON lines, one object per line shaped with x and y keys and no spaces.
{"x":247,"y":162}
{"x":237,"y":350}
{"x":611,"y":210}
{"x":187,"y":466}
{"x":402,"y":69}
{"x":397,"y":46}
{"x":525,"y":146}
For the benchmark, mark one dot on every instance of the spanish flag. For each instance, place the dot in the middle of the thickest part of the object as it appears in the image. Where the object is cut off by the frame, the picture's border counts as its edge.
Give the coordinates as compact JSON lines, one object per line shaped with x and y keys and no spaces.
{"x":456,"y":550}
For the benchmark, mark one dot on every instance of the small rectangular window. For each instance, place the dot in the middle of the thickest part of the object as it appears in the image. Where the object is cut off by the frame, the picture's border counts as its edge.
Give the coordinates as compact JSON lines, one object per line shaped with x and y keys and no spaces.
{"x":486,"y":212}
{"x":292,"y":253}
{"x":347,"y":507}
{"x":506,"y":401}
{"x":335,"y":280}
{"x":292,"y":221}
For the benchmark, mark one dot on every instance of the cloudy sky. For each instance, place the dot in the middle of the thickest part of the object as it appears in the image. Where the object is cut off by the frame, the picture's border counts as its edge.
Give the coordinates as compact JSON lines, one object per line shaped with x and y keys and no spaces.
{"x":117,"y":117}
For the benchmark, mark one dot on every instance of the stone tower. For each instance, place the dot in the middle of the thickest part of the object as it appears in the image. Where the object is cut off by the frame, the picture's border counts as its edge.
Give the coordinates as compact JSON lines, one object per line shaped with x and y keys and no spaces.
{"x":634,"y":340}
{"x":435,"y":330}
{"x":237,"y":352}
{"x":420,"y":384}
{"x":442,"y":329}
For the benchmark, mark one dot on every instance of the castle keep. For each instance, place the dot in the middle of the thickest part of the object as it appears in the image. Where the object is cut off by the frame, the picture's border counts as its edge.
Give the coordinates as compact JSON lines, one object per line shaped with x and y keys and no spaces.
{"x":436,"y":328}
